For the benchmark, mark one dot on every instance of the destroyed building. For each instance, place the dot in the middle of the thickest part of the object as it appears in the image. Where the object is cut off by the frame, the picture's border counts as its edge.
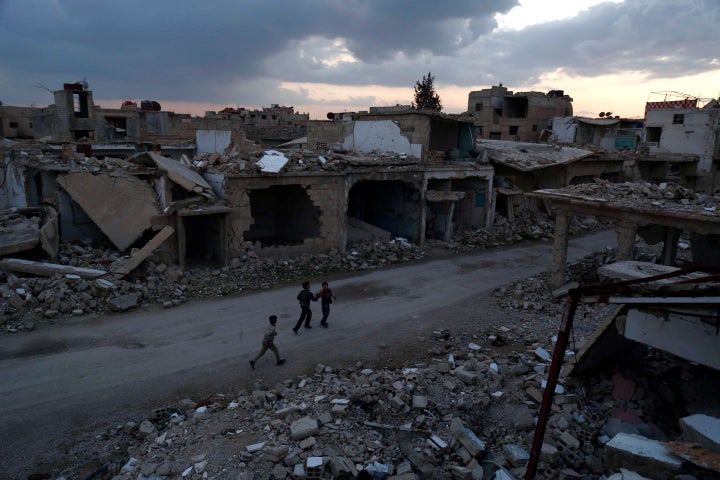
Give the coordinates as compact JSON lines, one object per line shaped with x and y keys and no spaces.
{"x":269,"y":126}
{"x":74,"y":116}
{"x":500,"y":114}
{"x":424,"y":184}
{"x":601,"y":133}
{"x":683,"y":138}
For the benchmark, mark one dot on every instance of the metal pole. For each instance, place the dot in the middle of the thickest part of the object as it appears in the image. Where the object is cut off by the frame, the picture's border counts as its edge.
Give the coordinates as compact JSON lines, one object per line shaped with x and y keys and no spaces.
{"x":553,"y":375}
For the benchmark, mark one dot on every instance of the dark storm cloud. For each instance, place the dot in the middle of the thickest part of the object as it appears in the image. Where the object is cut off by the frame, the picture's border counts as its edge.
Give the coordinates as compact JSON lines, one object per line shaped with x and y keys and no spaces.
{"x":229,"y":51}
{"x":664,"y":38}
{"x":186,"y":46}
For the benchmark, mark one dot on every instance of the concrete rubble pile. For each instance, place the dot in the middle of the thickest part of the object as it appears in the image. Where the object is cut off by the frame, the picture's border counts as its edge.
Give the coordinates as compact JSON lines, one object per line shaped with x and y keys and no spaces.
{"x":248,"y":162}
{"x":664,"y":195}
{"x":463,"y":408}
{"x":528,"y":225}
{"x":29,"y":298}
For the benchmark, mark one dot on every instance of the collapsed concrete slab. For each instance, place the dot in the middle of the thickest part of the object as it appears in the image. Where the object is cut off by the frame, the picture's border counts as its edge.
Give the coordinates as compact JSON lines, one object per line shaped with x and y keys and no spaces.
{"x":188,"y":179}
{"x":122,"y":207}
{"x":702,"y":429}
{"x":648,"y":457}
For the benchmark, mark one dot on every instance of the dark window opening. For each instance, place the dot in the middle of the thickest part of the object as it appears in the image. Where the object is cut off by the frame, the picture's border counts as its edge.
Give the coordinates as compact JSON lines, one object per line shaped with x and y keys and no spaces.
{"x":443,"y":135}
{"x":678,"y":119}
{"x":652,"y":134}
{"x":118,"y":126}
{"x":264,"y":117}
{"x":282,"y":215}
{"x":513,"y":129}
{"x":534,"y":128}
{"x":478,"y":107}
{"x":274,"y":117}
{"x":320,"y":145}
{"x":80,"y":104}
{"x":494,"y":135}
{"x":392,"y":206}
{"x":497,"y":115}
{"x":516,"y":107}
{"x":14,"y":125}
{"x":78,"y":134}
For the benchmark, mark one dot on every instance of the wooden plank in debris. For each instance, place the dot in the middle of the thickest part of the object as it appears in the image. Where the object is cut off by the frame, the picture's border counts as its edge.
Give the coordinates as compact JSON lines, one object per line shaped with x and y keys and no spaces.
{"x":47,"y":269}
{"x":126,"y":265}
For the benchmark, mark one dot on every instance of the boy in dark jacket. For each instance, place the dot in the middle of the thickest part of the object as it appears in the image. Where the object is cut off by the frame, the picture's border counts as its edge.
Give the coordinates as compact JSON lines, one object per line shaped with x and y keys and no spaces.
{"x":326,"y":298}
{"x":305,"y":297}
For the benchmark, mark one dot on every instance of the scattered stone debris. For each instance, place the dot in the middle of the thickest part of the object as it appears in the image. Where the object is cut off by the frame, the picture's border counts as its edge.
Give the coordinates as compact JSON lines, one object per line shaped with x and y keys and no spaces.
{"x":663,"y":196}
{"x":30,"y":298}
{"x":463,"y":407}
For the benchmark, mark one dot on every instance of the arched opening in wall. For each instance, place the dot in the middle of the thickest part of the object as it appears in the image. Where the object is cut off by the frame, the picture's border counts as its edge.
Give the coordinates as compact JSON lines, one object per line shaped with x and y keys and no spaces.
{"x":382,"y":210}
{"x":282,"y":215}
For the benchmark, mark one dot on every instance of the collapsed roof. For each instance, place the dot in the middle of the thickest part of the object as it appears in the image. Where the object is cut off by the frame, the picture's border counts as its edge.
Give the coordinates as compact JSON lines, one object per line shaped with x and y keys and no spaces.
{"x":526,"y":157}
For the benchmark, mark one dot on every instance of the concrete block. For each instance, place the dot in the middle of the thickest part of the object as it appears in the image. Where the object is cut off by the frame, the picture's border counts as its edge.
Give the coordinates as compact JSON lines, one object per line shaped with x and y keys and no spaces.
{"x":397,"y":402}
{"x":338,"y":411}
{"x":303,"y":428}
{"x":341,"y":467}
{"x":461,"y":473}
{"x":307,"y":443}
{"x":275,"y":452}
{"x":255,"y":447}
{"x":471,"y":442}
{"x":516,"y":455}
{"x":419,"y":402}
{"x":568,"y":439}
{"x":470,"y":378}
{"x":314,"y":468}
{"x":299,"y":471}
{"x":648,"y":457}
{"x":702,"y":429}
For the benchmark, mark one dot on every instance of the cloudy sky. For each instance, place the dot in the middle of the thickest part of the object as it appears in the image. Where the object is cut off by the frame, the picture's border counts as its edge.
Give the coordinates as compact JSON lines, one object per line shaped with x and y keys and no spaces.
{"x":347,"y":55}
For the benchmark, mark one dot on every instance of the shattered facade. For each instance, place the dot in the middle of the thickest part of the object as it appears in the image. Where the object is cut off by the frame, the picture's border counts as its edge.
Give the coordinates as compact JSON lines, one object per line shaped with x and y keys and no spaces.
{"x":686,"y":140}
{"x":501,"y":114}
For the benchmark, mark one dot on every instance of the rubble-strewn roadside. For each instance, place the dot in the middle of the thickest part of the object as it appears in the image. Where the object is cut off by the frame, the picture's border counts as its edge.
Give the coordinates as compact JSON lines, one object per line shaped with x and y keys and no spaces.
{"x":28,"y":301}
{"x":457,"y":403}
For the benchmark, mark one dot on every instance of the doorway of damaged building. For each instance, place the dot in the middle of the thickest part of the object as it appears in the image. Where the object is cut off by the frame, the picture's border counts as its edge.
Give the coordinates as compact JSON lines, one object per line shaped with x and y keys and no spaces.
{"x":392,"y":206}
{"x":202,"y":236}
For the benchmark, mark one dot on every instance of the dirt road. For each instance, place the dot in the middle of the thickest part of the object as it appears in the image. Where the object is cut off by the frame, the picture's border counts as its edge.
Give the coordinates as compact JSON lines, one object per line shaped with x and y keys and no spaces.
{"x":63,"y":382}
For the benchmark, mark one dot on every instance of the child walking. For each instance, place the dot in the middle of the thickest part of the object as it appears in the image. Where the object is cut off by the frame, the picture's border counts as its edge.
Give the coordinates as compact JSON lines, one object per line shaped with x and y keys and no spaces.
{"x":268,"y":343}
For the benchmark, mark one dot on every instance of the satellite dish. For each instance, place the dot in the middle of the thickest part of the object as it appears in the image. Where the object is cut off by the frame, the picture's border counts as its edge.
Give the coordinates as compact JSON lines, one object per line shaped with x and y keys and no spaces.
{"x":330,"y":116}
{"x":602,"y":114}
{"x":607,"y":114}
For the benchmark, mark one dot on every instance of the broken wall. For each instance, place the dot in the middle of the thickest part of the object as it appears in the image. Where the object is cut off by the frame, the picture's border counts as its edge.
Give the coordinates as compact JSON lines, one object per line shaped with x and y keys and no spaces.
{"x":385,"y":136}
{"x":209,"y":141}
{"x":323,"y":133}
{"x":688,"y":131}
{"x":325,"y":195}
